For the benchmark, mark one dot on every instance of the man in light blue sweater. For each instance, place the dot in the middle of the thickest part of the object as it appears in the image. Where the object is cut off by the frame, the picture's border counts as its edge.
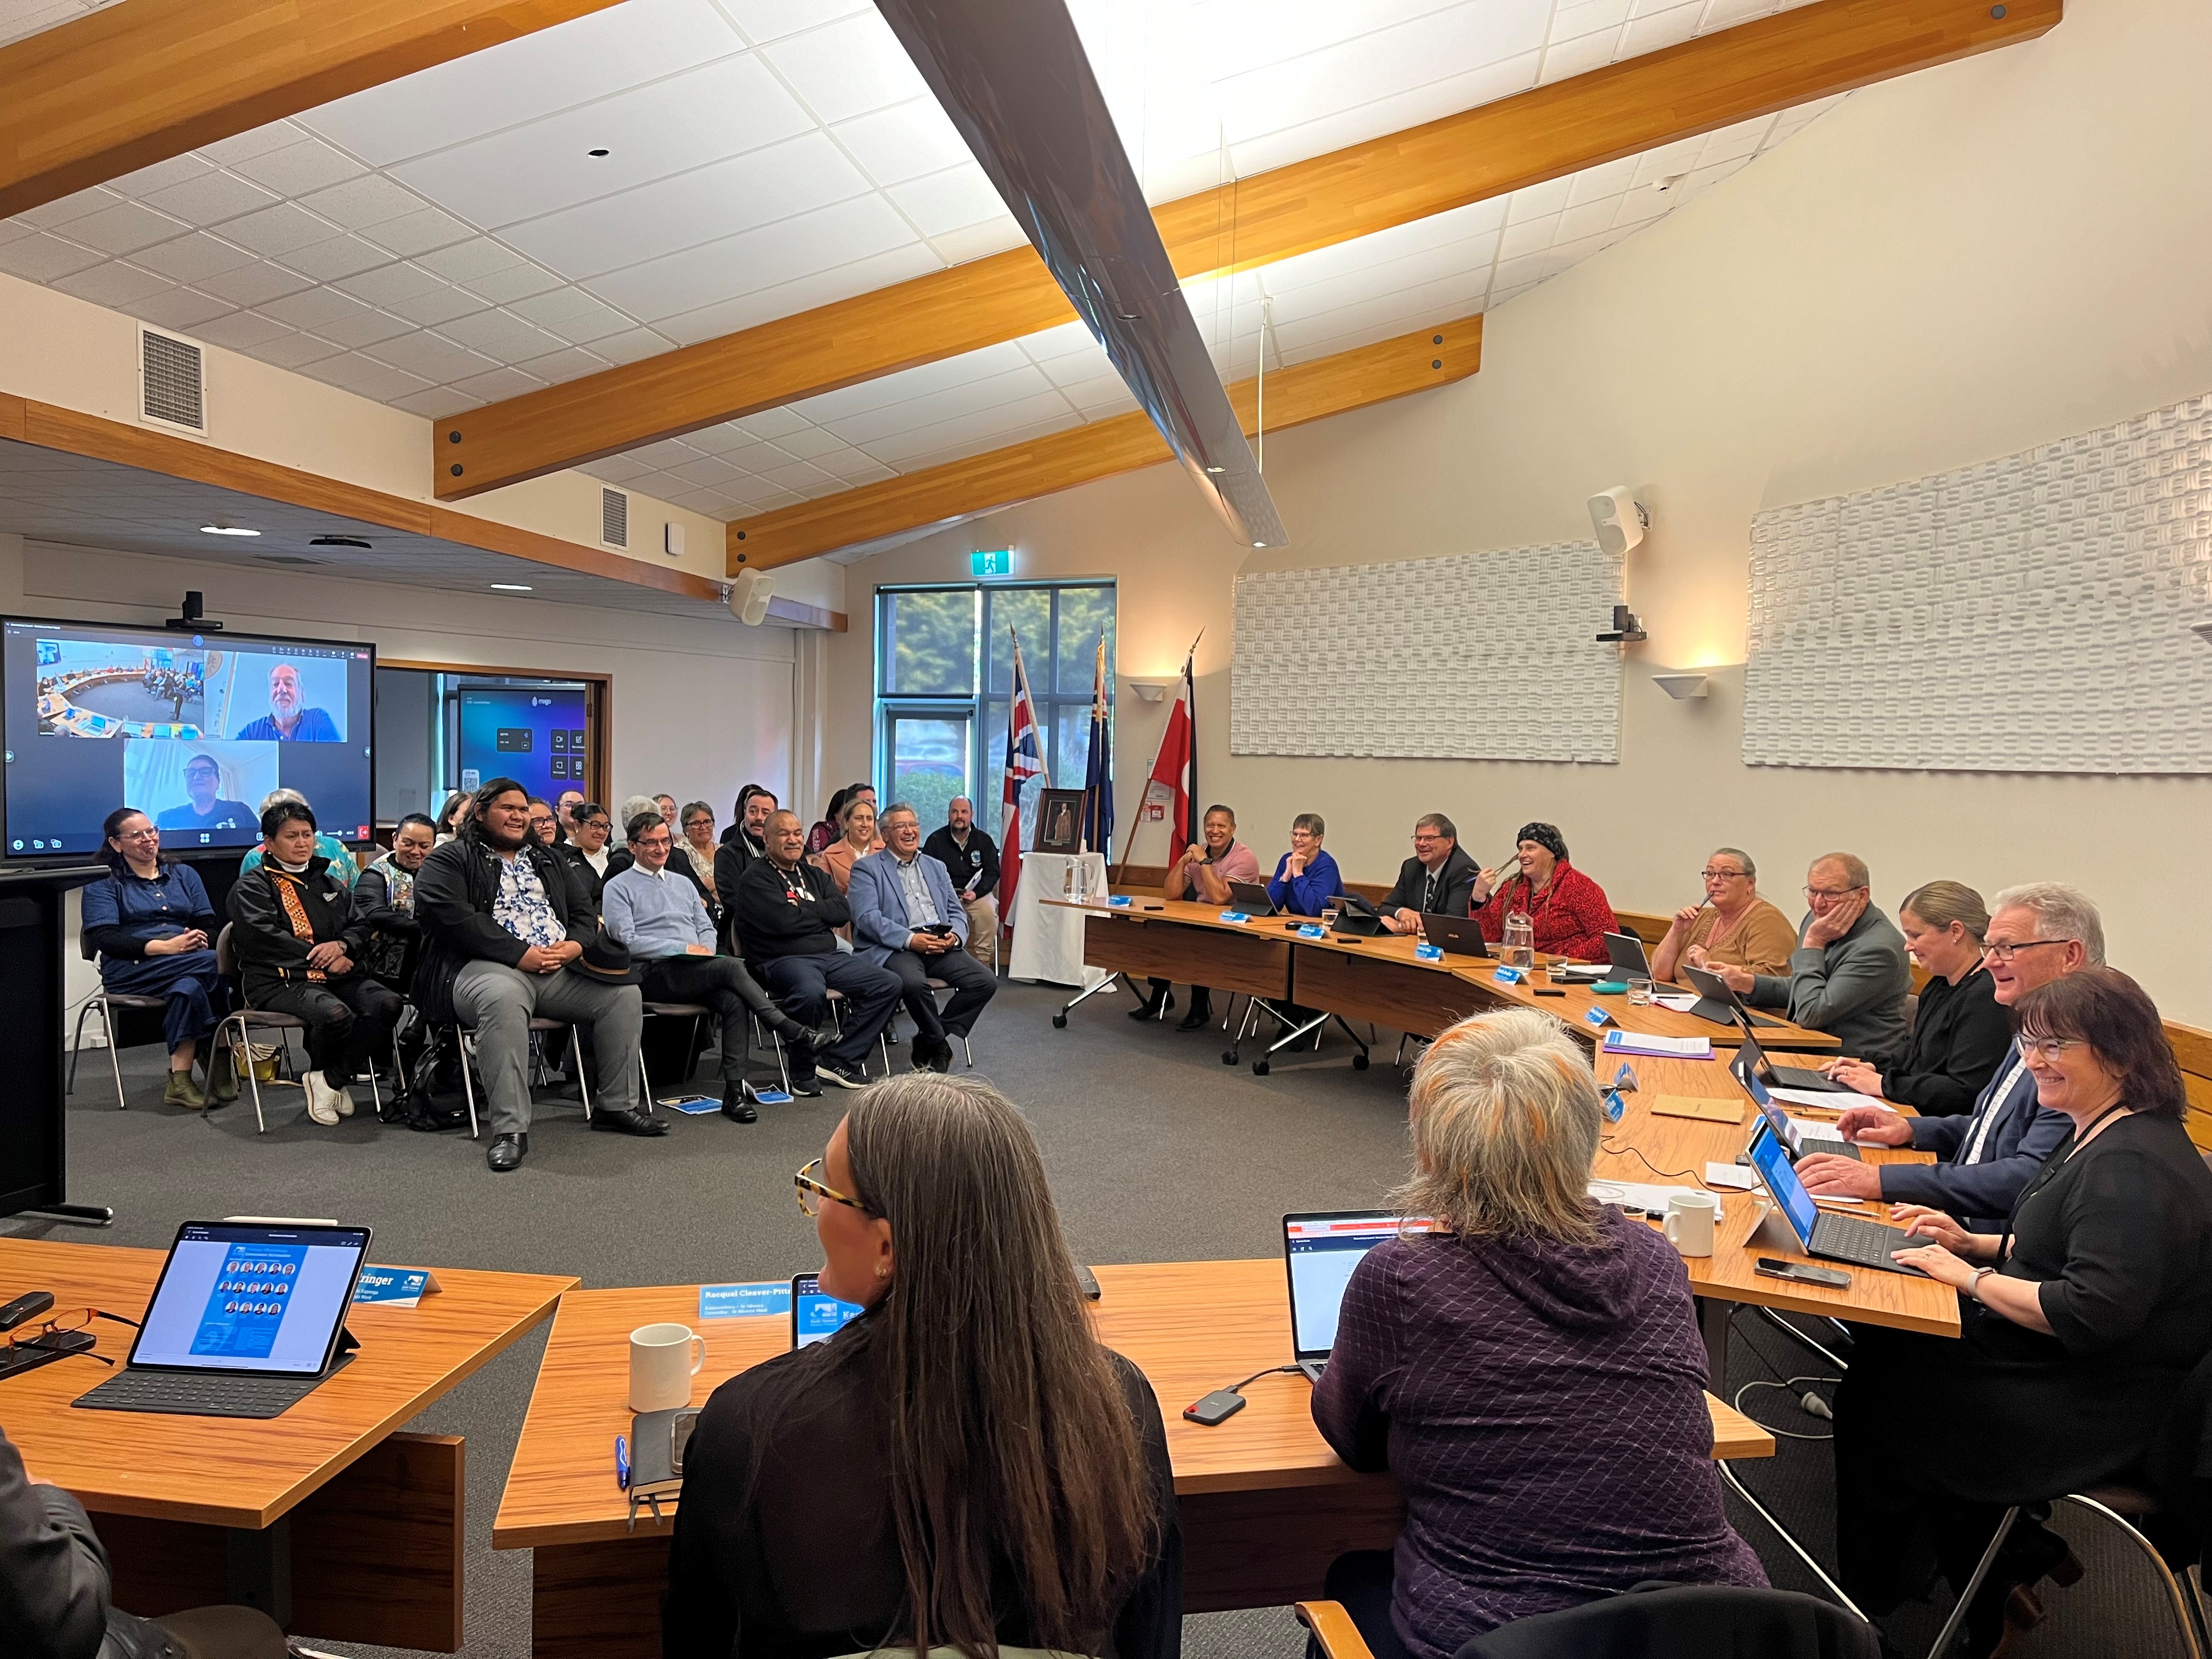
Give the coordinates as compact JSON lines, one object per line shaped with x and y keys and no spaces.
{"x":659,"y":919}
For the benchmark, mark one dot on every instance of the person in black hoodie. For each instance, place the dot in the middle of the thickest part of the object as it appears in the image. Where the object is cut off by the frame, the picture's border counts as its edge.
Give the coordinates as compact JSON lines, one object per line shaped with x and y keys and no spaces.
{"x":1437,"y":880}
{"x":741,"y":846}
{"x":301,"y":949}
{"x":784,"y":920}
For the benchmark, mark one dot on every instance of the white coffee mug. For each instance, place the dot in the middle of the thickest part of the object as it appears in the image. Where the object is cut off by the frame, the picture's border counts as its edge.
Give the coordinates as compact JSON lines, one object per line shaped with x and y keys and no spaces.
{"x":659,"y":1381}
{"x":1690,"y":1220}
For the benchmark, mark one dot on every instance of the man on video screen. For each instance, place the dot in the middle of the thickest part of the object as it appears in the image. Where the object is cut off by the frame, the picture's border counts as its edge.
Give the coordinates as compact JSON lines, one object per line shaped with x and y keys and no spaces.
{"x":203,"y":785}
{"x":285,"y":721}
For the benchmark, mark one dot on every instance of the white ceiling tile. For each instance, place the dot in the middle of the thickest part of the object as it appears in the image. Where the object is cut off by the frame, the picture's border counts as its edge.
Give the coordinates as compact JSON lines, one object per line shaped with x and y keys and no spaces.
{"x":615,"y":469}
{"x":1393,"y":113}
{"x":517,"y":81}
{"x":1582,"y":17}
{"x":736,"y":194}
{"x":807,"y":444}
{"x":210,"y":197}
{"x":1539,"y":201}
{"x":727,"y":438}
{"x":796,"y":475}
{"x":124,"y":228}
{"x":568,"y":364}
{"x":290,"y":350}
{"x":1731,"y":144}
{"x":298,"y":168}
{"x":1586,"y":220}
{"x":1019,"y":391}
{"x":848,"y":68}
{"x":1075,"y":368}
{"x":500,"y":383}
{"x":1528,"y":236}
{"x":903,"y":141}
{"x":312,"y":308}
{"x":114,"y":284}
{"x":436,"y":404}
{"x":963,"y":438}
{"x":1639,"y":206}
{"x":819,"y":288}
{"x":341,"y":256}
{"x":241,"y":330}
{"x":364,"y":376}
{"x":800,"y":246}
{"x":413,"y":234}
{"x":925,"y":380}
{"x":1606,"y":180}
{"x":179,"y":308}
{"x":255,"y":141}
{"x":159,"y":176}
{"x":995,"y":235}
{"x":390,"y":284}
{"x":515,"y":282}
{"x":278,"y":230}
{"x":1660,"y":29}
{"x":371,"y":199}
{"x":1668,"y":160}
{"x":1098,"y":392}
{"x":630,"y":346}
{"x":435,"y":359}
{"x":769,"y":498}
{"x":939,"y":201}
{"x":48,"y":215}
{"x":706,"y":470}
{"x":771,"y":20}
{"x":466,"y":261}
{"x":435,"y":307}
{"x":572,"y":314}
{"x":774,"y":423}
{"x":715,"y":110}
{"x":1059,"y":341}
{"x":250,"y":285}
{"x":668,"y":453}
{"x":191,"y":258}
{"x":1565,"y":59}
{"x":362,"y":328}
{"x":502,"y":335}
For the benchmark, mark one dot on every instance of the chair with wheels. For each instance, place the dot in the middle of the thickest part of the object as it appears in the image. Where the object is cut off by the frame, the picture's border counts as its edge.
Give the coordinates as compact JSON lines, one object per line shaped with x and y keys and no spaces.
{"x":107,"y":1002}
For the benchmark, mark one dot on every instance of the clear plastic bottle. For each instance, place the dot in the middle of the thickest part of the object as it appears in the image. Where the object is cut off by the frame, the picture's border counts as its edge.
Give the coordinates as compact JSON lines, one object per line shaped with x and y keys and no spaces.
{"x":1067,"y":880}
{"x":1518,"y":950}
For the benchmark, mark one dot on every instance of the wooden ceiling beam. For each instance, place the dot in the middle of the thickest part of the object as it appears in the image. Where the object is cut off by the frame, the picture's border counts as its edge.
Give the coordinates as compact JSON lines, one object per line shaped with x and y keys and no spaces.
{"x":1734,"y":75}
{"x":139,"y":82}
{"x":1097,"y":449}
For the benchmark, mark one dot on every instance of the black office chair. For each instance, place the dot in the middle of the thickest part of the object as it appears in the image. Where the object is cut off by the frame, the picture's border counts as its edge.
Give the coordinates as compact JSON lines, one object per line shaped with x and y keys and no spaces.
{"x":1651,"y":1621}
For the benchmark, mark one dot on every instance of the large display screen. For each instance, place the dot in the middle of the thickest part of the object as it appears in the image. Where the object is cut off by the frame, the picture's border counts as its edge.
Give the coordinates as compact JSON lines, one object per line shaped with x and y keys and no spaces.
{"x":538,"y":735}
{"x":192,"y":729}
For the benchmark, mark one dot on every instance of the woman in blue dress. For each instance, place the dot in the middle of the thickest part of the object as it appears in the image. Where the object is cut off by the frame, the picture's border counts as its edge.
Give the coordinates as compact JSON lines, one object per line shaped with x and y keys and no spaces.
{"x":155,"y":930}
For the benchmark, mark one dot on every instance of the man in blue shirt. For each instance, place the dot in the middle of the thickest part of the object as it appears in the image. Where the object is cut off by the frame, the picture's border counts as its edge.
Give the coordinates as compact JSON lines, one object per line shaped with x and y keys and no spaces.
{"x":662,"y":921}
{"x":907,"y":918}
{"x":205,"y":809}
{"x":285,"y":721}
{"x":1305,"y":877}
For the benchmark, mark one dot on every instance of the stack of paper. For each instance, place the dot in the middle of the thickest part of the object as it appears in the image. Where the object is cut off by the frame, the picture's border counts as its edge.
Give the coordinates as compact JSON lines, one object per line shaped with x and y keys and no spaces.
{"x":1663,"y":1047}
{"x":1825,"y":1099}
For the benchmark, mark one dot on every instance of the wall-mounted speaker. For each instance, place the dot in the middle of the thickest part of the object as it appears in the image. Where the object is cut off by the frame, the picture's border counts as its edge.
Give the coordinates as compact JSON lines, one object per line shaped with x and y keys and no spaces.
{"x":1619,"y":519}
{"x":749,"y":597}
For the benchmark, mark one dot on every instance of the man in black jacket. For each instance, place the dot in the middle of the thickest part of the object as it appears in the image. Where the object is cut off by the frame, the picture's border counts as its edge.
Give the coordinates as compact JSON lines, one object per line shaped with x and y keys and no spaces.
{"x":972,"y":859}
{"x":1437,"y":880}
{"x":300,"y":950}
{"x":785,"y":915}
{"x":501,"y":924}
{"x":54,"y":1590}
{"x":741,"y":846}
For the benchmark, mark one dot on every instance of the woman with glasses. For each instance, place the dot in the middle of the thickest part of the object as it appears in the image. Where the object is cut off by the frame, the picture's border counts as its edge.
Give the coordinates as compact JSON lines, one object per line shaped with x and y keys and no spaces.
{"x":1960,"y":1033}
{"x":587,"y":856}
{"x":2079,"y":1322}
{"x":153,"y":930}
{"x":962,"y":1464}
{"x":1733,"y":925}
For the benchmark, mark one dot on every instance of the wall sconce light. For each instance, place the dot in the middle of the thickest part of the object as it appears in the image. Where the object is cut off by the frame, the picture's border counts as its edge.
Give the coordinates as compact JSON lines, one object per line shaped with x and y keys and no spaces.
{"x":2202,"y":630}
{"x":1148,"y":690}
{"x":1680,"y":686}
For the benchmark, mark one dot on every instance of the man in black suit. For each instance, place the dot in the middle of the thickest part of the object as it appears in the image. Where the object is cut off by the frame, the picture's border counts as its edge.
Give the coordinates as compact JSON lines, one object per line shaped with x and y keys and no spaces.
{"x":1437,"y":880}
{"x":971,"y":858}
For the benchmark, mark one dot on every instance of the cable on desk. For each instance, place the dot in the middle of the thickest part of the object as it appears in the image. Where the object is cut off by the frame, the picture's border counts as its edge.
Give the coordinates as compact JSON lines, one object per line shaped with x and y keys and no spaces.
{"x":1238,"y":1388}
{"x":1664,"y":1174}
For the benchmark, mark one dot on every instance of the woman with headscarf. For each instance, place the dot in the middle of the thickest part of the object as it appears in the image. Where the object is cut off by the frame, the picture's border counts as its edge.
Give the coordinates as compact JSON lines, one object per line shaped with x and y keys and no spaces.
{"x":1570,"y":912}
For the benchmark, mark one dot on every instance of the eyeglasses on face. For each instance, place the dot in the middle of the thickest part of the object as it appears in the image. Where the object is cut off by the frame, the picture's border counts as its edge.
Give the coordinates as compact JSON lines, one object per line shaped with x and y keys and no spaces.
{"x":1724,"y":875}
{"x":597,"y":823}
{"x":148,"y":834}
{"x":2048,"y":1049}
{"x":2005,"y":950}
{"x":812,"y":1189}
{"x":699,"y":822}
{"x":650,"y":841}
{"x":1830,"y":892}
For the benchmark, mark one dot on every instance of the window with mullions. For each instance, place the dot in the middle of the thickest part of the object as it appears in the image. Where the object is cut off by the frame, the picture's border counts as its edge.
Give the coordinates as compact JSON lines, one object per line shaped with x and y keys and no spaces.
{"x":945,"y":677}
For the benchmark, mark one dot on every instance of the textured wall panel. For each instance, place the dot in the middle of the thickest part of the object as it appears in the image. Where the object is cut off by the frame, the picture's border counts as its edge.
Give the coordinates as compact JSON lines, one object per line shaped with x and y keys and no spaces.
{"x":2029,"y":614}
{"x":1478,"y":656}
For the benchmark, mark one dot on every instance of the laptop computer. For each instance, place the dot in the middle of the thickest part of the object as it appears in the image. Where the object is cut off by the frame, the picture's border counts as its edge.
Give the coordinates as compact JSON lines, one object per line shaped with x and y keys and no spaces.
{"x":1458,"y":936}
{"x":1251,"y":897}
{"x":1797,"y":1138}
{"x":248,"y":1319}
{"x":1718,"y":1003}
{"x":1320,"y":1250}
{"x":1751,"y":1060}
{"x":1856,"y":1239}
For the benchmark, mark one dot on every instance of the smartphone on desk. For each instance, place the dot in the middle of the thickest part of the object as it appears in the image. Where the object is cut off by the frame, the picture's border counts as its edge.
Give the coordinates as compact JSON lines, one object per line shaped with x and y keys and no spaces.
{"x":1803,"y":1272}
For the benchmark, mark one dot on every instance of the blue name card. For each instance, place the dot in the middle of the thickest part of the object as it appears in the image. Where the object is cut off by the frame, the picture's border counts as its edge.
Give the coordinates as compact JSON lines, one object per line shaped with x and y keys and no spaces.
{"x":1429,"y":952}
{"x":1236,"y":916}
{"x":1510,"y":975}
{"x":1597,"y":1015}
{"x":744,"y":1301}
{"x":401,"y":1287}
{"x":1313,"y":930}
{"x":1119,"y":902}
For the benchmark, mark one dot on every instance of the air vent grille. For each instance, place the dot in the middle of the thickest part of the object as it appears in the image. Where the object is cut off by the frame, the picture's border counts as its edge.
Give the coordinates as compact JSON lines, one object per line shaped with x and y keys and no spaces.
{"x":614,"y":518}
{"x":172,"y":388}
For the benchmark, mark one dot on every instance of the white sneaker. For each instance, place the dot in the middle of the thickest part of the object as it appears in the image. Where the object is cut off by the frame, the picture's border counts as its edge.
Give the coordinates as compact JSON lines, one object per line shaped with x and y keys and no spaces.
{"x":342,"y":1099}
{"x":322,"y":1099}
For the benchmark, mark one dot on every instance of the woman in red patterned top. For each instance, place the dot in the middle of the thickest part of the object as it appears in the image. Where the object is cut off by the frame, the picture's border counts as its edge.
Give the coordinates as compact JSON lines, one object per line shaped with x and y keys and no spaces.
{"x":1570,"y":911}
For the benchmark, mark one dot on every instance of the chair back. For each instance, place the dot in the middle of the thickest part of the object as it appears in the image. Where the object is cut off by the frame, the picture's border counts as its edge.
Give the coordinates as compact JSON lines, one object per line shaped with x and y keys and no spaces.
{"x":225,"y":963}
{"x":1684,"y":1621}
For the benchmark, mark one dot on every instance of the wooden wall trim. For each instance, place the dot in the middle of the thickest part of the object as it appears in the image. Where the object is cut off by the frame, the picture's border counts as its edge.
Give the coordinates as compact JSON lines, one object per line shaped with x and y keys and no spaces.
{"x":135,"y":83}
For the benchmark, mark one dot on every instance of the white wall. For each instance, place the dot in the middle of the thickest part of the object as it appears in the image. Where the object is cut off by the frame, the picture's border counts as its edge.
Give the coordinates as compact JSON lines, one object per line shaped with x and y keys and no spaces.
{"x":1941,"y":270}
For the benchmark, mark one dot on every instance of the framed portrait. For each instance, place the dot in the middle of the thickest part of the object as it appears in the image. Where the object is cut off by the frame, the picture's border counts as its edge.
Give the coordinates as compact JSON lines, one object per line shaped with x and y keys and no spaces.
{"x":1060,"y":821}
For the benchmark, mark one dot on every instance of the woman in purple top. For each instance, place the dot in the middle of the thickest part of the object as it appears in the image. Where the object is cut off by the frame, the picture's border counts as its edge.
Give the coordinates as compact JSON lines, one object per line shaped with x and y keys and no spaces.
{"x":1533,"y":1373}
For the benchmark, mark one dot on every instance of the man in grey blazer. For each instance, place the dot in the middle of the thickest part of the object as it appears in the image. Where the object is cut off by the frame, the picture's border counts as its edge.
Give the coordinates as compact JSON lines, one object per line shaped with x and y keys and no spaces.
{"x":906,"y":917}
{"x":1849,"y":975}
{"x":2041,"y":932}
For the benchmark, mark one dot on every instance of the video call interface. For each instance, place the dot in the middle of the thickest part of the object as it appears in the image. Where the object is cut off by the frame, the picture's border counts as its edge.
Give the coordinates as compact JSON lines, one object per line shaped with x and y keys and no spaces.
{"x":192,"y":729}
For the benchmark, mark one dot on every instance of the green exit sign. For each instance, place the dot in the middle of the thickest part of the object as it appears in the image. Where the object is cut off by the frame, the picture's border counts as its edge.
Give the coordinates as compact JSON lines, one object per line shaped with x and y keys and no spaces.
{"x":992,"y":561}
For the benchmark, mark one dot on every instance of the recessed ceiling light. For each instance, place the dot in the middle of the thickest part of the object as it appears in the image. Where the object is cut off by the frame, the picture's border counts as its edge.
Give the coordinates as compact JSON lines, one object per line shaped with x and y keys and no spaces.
{"x":595,"y":152}
{"x":226,"y":530}
{"x":512,"y":587}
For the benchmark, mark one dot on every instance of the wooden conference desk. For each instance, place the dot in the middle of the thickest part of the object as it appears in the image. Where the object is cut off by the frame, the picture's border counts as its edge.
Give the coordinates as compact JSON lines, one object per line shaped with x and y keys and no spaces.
{"x":1378,"y":979}
{"x":1264,"y":1504}
{"x":323,"y":1517}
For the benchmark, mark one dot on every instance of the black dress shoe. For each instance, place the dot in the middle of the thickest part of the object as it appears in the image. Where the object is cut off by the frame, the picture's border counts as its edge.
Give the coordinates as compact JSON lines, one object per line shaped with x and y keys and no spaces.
{"x":506,"y":1153}
{"x":736,"y":1107}
{"x":940,"y":1056}
{"x":1159,"y":1003}
{"x":1197,"y":1019}
{"x":617,"y":1121}
{"x":808,"y":1087}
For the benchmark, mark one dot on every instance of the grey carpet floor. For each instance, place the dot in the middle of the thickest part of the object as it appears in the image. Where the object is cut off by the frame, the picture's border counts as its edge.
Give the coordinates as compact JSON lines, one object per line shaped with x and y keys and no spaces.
{"x":1157,"y":1152}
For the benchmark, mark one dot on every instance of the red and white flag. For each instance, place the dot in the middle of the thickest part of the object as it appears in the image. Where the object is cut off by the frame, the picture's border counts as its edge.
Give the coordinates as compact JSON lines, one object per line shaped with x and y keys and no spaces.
{"x":1174,"y":783}
{"x":1024,"y":761}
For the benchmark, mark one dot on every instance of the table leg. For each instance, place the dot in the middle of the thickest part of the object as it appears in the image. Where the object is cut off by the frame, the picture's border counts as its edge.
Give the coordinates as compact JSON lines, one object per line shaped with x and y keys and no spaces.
{"x":257,"y":1568}
{"x":1713,"y":1325}
{"x":1114,"y":978}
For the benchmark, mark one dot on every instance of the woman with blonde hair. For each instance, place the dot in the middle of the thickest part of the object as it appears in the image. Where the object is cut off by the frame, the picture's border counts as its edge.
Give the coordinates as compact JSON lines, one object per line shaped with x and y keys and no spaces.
{"x":963,"y":1466}
{"x":1531,"y":1369}
{"x":1960,"y":1033}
